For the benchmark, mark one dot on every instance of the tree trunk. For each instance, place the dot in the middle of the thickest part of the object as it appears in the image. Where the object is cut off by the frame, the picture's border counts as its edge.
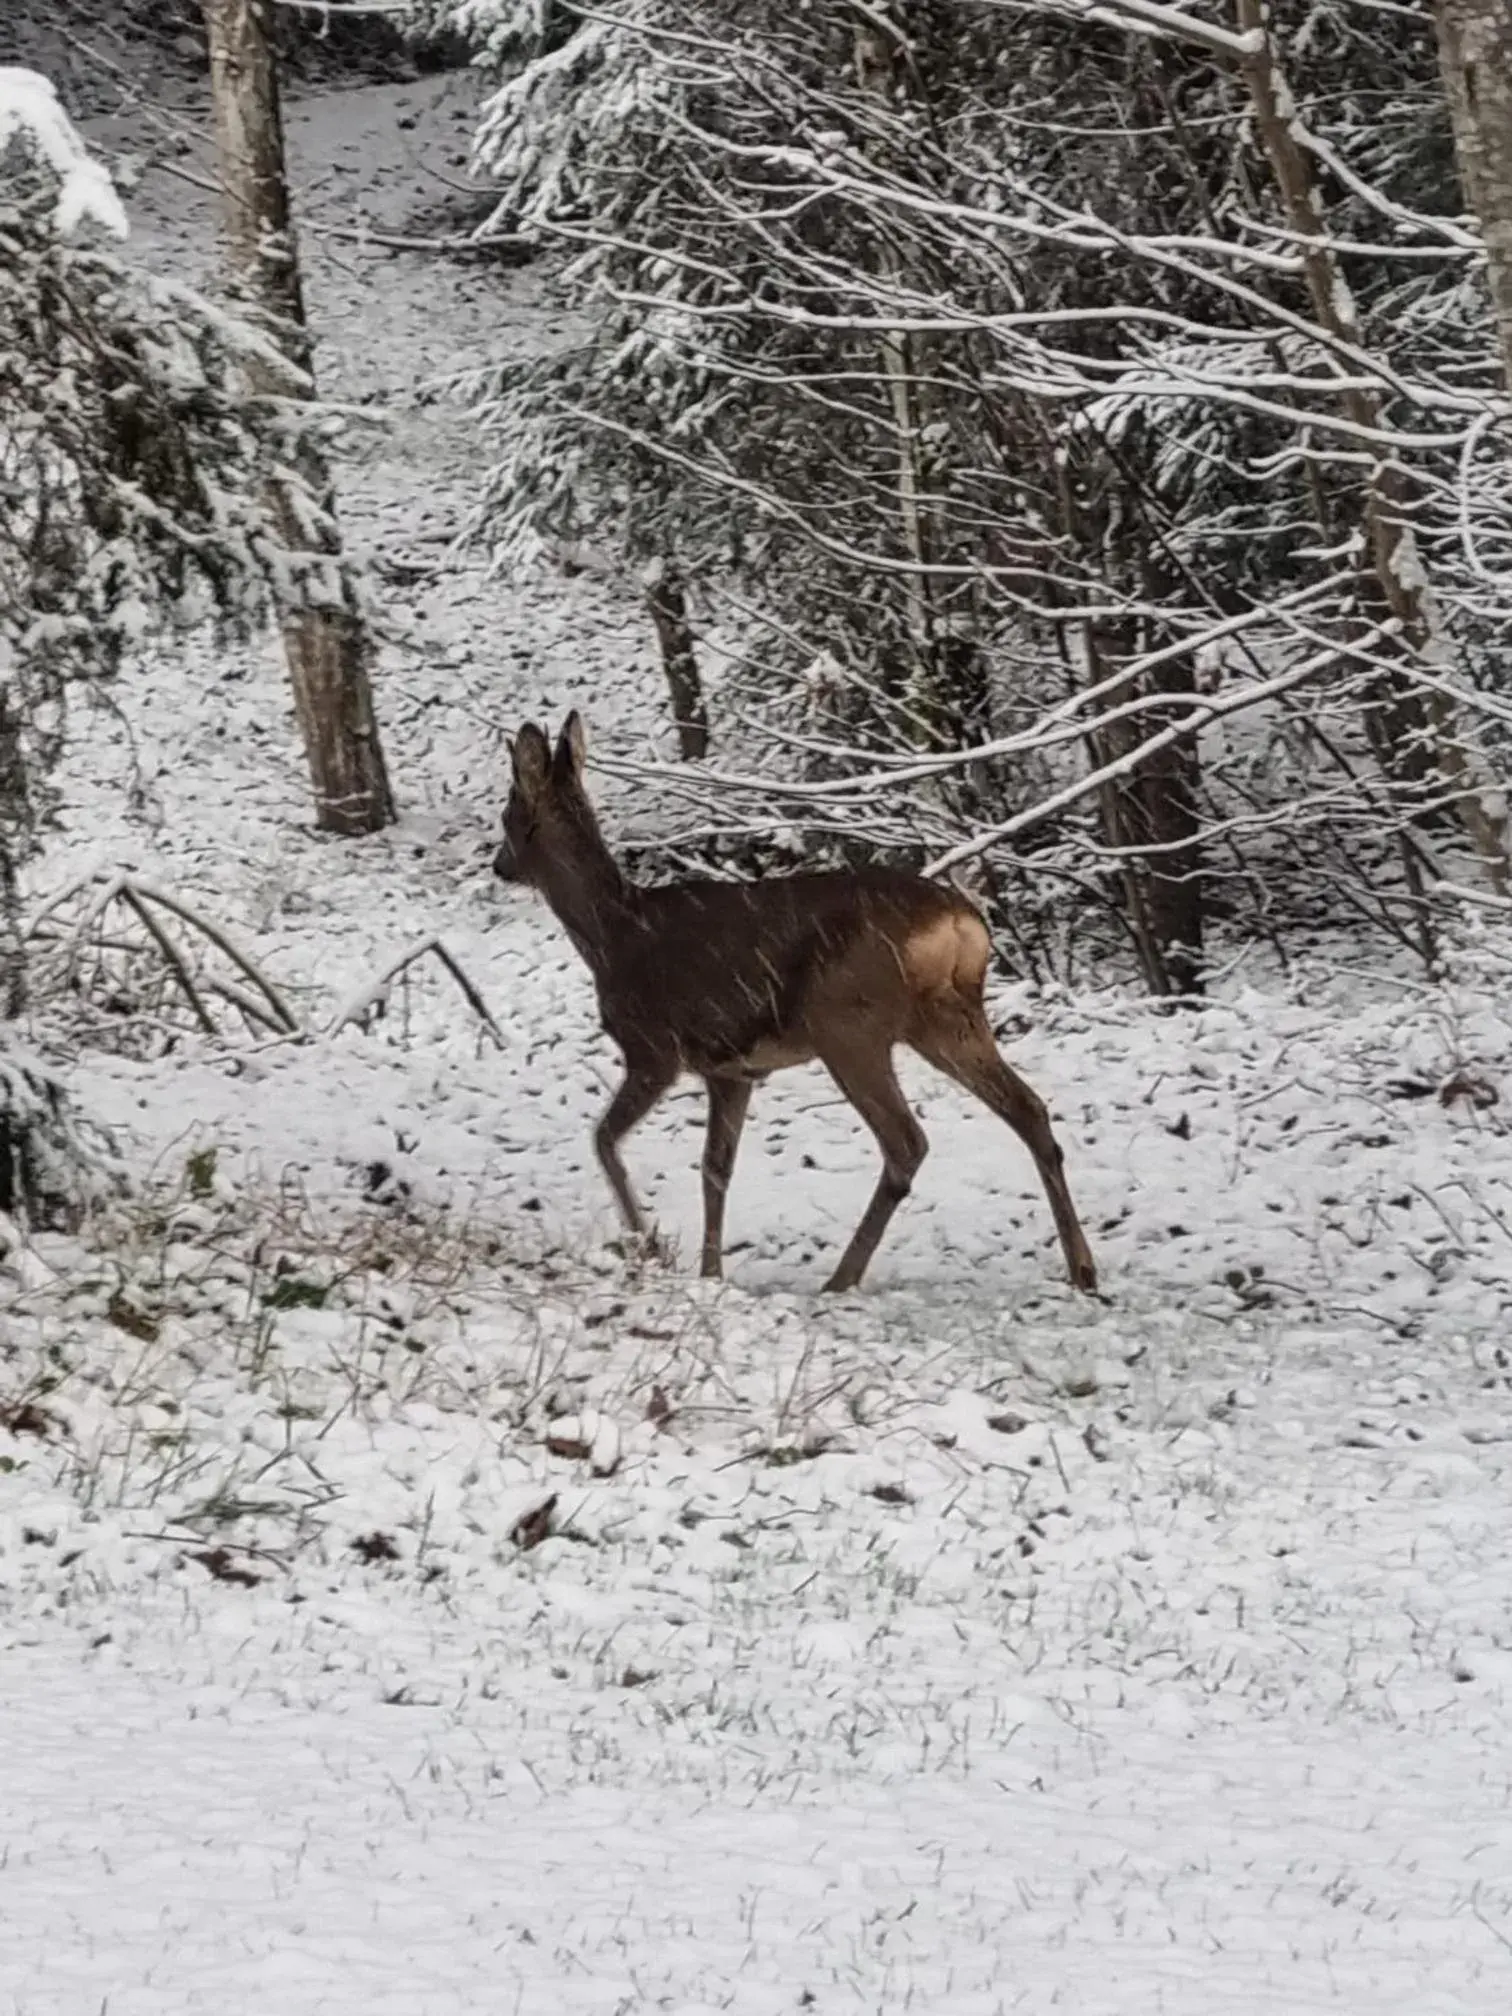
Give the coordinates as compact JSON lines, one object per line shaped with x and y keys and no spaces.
{"x":18,"y":825}
{"x":1151,"y":817}
{"x":1414,"y":731}
{"x":667,"y":601}
{"x":326,"y":642}
{"x":1167,"y":820}
{"x":1475,"y":55}
{"x":878,"y":42}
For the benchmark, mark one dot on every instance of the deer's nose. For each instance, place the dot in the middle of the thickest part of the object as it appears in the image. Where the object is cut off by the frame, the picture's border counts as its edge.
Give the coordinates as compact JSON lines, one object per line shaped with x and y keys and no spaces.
{"x":505,"y":866}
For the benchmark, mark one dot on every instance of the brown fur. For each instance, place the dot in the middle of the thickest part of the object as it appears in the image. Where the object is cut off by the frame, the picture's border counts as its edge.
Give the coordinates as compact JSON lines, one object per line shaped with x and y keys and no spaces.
{"x":732,"y":981}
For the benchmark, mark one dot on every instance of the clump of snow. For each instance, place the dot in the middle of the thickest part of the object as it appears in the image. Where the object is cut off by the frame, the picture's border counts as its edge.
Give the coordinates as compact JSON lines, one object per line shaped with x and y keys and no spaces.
{"x":32,"y":117}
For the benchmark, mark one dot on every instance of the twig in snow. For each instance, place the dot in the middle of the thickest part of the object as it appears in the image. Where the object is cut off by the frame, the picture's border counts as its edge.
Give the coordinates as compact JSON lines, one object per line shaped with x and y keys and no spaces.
{"x":395,"y":241}
{"x":1479,"y":1915}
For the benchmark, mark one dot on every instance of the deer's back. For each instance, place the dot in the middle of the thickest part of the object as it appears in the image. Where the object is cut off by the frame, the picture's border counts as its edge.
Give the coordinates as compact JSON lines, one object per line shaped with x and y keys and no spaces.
{"x":747,"y":976}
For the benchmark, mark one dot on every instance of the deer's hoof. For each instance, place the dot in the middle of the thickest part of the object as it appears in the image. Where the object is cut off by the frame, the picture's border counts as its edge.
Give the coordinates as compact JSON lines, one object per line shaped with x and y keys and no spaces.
{"x":650,"y":1248}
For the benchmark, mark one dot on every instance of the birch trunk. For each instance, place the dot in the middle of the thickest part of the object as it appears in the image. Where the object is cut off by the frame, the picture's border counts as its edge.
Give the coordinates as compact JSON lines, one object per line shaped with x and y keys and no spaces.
{"x":326,"y":643}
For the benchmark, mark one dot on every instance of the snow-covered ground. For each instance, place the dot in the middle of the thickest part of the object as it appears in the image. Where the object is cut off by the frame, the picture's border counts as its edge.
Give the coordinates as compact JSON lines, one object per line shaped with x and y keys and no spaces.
{"x":407,"y":1605}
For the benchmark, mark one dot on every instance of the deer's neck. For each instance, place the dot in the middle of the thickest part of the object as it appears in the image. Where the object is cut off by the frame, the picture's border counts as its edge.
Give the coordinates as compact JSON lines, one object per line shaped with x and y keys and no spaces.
{"x":592,"y":901}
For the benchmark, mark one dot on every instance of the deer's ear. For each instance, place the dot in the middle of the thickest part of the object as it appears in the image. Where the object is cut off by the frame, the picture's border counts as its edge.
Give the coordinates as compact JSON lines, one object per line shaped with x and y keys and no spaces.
{"x":530,"y":758}
{"x":572,"y":748}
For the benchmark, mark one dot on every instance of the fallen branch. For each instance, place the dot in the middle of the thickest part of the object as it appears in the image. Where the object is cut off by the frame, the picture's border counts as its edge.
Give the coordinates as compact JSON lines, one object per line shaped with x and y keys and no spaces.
{"x":279,"y":1007}
{"x":246,"y":1004}
{"x":452,"y":245}
{"x":372,"y":997}
{"x":264,"y":1005}
{"x":1456,"y":892}
{"x":174,"y":959}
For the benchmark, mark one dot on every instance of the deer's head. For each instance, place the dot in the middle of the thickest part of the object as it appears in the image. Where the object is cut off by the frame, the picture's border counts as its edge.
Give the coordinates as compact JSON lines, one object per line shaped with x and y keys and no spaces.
{"x":548,"y":817}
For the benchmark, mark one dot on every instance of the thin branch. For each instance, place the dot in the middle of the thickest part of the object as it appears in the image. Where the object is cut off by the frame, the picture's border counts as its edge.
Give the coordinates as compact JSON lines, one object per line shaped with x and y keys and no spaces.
{"x":152,"y":893}
{"x":172,"y":958}
{"x":375,"y":992}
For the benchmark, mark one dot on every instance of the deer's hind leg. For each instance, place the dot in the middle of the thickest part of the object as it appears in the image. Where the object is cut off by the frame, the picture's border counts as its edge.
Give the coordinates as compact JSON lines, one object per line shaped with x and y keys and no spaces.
{"x":957,"y":1039}
{"x":729,"y":1101}
{"x":864,"y":1072}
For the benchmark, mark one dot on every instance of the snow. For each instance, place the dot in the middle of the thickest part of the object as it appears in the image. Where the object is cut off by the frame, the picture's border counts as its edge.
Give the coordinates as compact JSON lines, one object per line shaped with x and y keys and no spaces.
{"x":412,"y":1602}
{"x":30,"y":113}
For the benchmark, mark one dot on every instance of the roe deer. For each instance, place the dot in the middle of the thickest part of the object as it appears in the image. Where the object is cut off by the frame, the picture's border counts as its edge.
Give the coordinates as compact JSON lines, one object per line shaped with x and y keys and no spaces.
{"x":733,"y":980}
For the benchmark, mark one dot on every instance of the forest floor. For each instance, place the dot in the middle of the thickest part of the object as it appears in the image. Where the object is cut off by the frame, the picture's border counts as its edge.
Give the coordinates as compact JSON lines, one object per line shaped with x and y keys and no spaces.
{"x":408,"y":1604}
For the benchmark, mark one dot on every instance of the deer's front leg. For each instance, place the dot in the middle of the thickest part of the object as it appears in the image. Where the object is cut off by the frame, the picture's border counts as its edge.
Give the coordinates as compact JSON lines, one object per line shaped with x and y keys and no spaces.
{"x":729,"y":1102}
{"x":645,"y":1083}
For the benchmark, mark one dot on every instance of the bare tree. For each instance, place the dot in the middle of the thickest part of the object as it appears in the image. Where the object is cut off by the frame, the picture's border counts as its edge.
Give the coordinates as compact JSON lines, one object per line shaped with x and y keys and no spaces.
{"x":1410,"y":730}
{"x":325,"y":639}
{"x":1155,"y":440}
{"x":667,"y":600}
